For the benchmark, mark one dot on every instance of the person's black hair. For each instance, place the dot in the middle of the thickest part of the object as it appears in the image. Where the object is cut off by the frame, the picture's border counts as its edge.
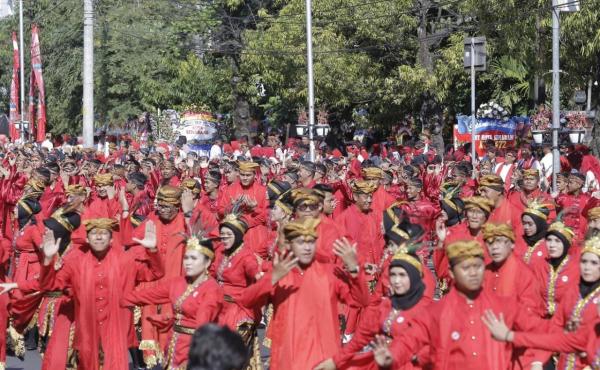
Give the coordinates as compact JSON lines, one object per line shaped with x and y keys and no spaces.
{"x":324,"y":188}
{"x":53,"y":167}
{"x":217,"y":347}
{"x":44,"y":172}
{"x":137,"y":178}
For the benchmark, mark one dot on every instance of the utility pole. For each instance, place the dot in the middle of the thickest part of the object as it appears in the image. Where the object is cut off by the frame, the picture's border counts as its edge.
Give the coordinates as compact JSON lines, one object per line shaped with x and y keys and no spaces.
{"x":88,"y":73}
{"x":473,"y":108}
{"x":555,"y":92}
{"x":311,"y":92}
{"x":22,"y":70}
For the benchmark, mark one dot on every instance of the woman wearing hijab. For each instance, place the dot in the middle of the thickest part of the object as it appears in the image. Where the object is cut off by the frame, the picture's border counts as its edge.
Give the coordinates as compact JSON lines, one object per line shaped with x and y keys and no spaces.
{"x":559,"y":272}
{"x":577,"y":315}
{"x":451,"y":217}
{"x":531,"y":245}
{"x":389,"y":316}
{"x":235,"y":268}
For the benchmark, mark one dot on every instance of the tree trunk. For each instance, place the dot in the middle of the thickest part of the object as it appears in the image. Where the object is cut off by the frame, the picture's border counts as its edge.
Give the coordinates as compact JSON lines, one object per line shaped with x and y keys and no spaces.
{"x":241,"y":108}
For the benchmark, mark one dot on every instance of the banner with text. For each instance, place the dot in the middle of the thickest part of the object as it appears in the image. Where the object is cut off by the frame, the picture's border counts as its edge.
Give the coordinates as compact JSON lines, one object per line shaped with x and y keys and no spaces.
{"x":503,"y":133}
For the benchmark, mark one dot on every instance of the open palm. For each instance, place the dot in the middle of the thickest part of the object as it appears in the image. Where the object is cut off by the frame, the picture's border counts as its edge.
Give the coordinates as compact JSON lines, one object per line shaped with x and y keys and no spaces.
{"x":149,"y":240}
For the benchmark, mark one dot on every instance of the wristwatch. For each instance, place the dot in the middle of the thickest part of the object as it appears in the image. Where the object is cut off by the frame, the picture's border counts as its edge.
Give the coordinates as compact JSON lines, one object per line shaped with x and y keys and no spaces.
{"x":188,"y":214}
{"x":355,"y":270}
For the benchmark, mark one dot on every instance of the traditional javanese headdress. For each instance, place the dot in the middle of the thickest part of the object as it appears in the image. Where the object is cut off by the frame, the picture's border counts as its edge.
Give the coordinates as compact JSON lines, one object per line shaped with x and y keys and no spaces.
{"x":532,"y":172}
{"x":76,"y":189}
{"x":306,"y":228}
{"x":403,"y":254}
{"x":191,"y":184}
{"x":169,"y":195}
{"x":247,"y":166}
{"x":463,"y":250}
{"x":66,"y":218}
{"x":363,"y":187}
{"x":493,"y":182}
{"x":482,"y":203}
{"x":490,"y":231}
{"x":536,"y":208}
{"x":100,"y":223}
{"x":592,"y":245}
{"x":559,"y":229}
{"x":103,"y":179}
{"x":36,"y":186}
{"x":305,"y":196}
{"x":372,"y":173}
{"x":594,"y":214}
{"x":233,"y":221}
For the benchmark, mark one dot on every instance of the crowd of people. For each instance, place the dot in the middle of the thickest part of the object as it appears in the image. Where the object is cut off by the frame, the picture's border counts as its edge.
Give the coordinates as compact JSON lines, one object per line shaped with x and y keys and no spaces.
{"x":387,"y":256}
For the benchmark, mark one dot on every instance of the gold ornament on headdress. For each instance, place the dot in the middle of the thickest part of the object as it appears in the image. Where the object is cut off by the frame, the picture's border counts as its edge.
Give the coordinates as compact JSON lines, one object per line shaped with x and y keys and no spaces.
{"x":236,"y":222}
{"x":493,"y":182}
{"x":100,"y":223}
{"x":535,"y":208}
{"x":306,"y":228}
{"x":58,"y":217}
{"x":305,"y":196}
{"x":563,"y":230}
{"x":531,"y":173}
{"x":192,"y":185}
{"x":247,"y":166}
{"x":76,"y":189}
{"x":462,"y":250}
{"x":482,"y":203}
{"x":592,"y":245}
{"x":103,"y":179}
{"x":402,"y":254}
{"x":372,"y":173}
{"x":193,"y":243}
{"x":169,"y":195}
{"x":36,"y":185}
{"x":400,"y":232}
{"x":24,"y":205}
{"x":491,"y":231}
{"x":284,"y":207}
{"x":594,"y":213}
{"x":447,"y":200}
{"x":364,"y":187}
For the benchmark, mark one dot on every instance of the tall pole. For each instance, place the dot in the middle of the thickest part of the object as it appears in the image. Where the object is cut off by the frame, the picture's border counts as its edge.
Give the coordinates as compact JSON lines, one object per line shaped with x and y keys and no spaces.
{"x":555,"y":91}
{"x":311,"y":92}
{"x":88,"y":73}
{"x":473,"y":151}
{"x":22,"y":69}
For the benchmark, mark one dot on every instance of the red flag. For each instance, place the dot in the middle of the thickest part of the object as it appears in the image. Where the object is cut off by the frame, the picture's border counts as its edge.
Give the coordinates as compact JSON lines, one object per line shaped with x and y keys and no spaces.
{"x":37,"y":80}
{"x":14,"y":113}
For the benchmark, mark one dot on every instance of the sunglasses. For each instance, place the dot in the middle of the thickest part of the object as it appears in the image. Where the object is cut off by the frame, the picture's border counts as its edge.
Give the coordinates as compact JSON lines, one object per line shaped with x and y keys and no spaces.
{"x":308,"y":207}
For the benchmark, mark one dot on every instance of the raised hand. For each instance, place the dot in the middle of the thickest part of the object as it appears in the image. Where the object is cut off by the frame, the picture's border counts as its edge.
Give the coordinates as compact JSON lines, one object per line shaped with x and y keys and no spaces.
{"x":110,"y":191}
{"x":49,"y":246}
{"x":326,"y":365}
{"x":187,"y":201}
{"x":123,"y":200}
{"x":496,"y":326}
{"x":347,"y":252}
{"x":149,"y":241}
{"x":282,"y":265}
{"x":381,"y":352}
{"x":440,"y":229}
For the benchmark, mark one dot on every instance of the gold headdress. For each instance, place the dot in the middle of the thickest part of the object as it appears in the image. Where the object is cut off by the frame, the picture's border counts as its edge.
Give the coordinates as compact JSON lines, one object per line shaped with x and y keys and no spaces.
{"x":594,"y":213}
{"x":531,"y":173}
{"x":306,"y":227}
{"x":463,"y":250}
{"x":562,"y":229}
{"x":592,"y":245}
{"x":535,"y":207}
{"x":169,"y":195}
{"x":103,"y":179}
{"x":493,"y":182}
{"x":247,"y":166}
{"x":491,"y":231}
{"x":372,"y":173}
{"x":364,"y":187}
{"x":76,"y":189}
{"x":482,"y":203}
{"x":306,"y":196}
{"x":100,"y":223}
{"x":192,"y":185}
{"x":403,"y":255}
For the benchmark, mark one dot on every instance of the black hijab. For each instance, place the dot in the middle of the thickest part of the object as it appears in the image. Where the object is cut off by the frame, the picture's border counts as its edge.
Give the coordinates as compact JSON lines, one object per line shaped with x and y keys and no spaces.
{"x":454,"y":209}
{"x":586,"y":288}
{"x":238,"y":238}
{"x":541,"y":226}
{"x":417,"y":288}
{"x":566,"y":245}
{"x":26,"y":209}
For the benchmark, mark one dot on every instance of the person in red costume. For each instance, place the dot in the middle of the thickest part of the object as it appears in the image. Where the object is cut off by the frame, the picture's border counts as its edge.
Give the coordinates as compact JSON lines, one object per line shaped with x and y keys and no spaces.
{"x":250,"y":192}
{"x":381,"y":198}
{"x":212,"y":186}
{"x":559,"y":273}
{"x":139,"y":200}
{"x":530,"y":246}
{"x":196,"y":299}
{"x":170,"y":225}
{"x":505,"y":169}
{"x":194,"y":211}
{"x":306,"y":174}
{"x":578,"y":315}
{"x":478,"y":210}
{"x":54,"y":309}
{"x":363,"y":225}
{"x":530,"y":192}
{"x":451,"y":214}
{"x":305,"y":293}
{"x":235,"y":268}
{"x":460,"y":175}
{"x":54,"y":194}
{"x":388,"y":316}
{"x":593,"y":216}
{"x":13,"y":177}
{"x":99,"y":275}
{"x":419,"y":209}
{"x":169,"y":175}
{"x":572,"y":203}
{"x":492,"y":188}
{"x":452,"y":327}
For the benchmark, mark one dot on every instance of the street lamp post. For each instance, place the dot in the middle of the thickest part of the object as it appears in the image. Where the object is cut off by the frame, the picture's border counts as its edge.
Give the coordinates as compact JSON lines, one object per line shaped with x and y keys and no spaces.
{"x":311,"y":93}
